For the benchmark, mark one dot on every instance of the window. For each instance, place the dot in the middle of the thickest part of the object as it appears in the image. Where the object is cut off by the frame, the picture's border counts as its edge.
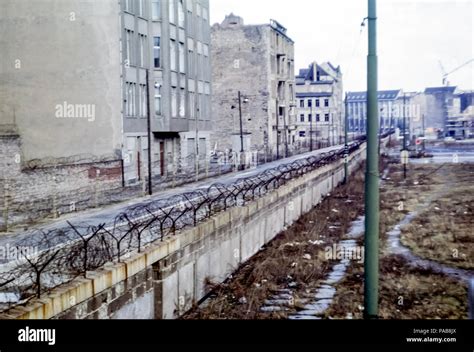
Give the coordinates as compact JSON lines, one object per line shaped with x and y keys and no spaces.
{"x":141,"y":8}
{"x":174,"y":101}
{"x":143,"y":101}
{"x":142,"y":53}
{"x":157,"y":51}
{"x":301,"y":103}
{"x":317,"y":103}
{"x":302,"y":134}
{"x":181,"y":58}
{"x":302,"y":117}
{"x":318,"y":117}
{"x":128,"y":5}
{"x":205,"y":14}
{"x":157,"y":99}
{"x":205,"y":49}
{"x":130,"y":99}
{"x":128,"y":47}
{"x":326,"y":103}
{"x":190,"y":63}
{"x":310,"y":118}
{"x":326,"y":117}
{"x":180,"y":13}
{"x":182,"y":103}
{"x":173,"y":54}
{"x":310,"y":103}
{"x":192,"y":108}
{"x":155,"y":10}
{"x":281,"y":111}
{"x":172,"y":11}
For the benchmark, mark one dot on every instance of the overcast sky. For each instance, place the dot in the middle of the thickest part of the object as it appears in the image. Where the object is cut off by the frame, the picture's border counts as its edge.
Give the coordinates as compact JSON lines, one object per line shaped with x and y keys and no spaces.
{"x":414,"y":35}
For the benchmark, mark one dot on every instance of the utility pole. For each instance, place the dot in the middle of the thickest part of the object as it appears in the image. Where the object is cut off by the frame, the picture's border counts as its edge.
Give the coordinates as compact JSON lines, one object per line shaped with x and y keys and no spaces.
{"x":424,"y":133}
{"x":372,"y":196}
{"x":277,"y":130}
{"x":150,"y":183}
{"x":241,"y":125}
{"x":346,"y":144}
{"x":311,"y":128}
{"x":404,"y":133}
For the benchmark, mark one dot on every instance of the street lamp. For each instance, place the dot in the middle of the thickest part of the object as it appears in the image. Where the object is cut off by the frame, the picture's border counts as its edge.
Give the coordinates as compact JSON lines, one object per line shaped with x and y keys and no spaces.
{"x":245,"y":101}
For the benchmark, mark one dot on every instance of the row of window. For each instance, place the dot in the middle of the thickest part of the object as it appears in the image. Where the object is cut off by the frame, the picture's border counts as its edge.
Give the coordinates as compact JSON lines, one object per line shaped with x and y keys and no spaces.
{"x":310,"y":117}
{"x":131,"y":56}
{"x":309,"y":103}
{"x":135,"y":104}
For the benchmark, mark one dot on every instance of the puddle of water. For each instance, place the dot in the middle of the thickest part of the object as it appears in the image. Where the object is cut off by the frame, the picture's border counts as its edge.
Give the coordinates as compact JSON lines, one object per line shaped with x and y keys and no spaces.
{"x":396,"y":247}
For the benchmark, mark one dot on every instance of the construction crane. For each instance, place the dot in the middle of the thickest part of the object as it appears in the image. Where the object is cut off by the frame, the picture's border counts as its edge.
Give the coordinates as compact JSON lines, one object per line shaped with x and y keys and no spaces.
{"x":447,"y":74}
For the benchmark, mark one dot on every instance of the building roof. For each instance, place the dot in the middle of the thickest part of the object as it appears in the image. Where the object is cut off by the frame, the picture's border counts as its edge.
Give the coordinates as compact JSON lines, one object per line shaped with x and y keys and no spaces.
{"x":382,"y":95}
{"x":313,"y":95}
{"x":310,"y":73}
{"x":438,"y":90}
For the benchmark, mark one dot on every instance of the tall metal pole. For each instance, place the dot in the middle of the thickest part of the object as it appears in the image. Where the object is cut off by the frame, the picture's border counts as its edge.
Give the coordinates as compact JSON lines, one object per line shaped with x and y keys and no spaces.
{"x":150,"y":183}
{"x":241,"y":125}
{"x":277,"y":130}
{"x":424,"y":133}
{"x":404,"y":133}
{"x":346,"y":143}
{"x":311,"y":128}
{"x":372,"y":197}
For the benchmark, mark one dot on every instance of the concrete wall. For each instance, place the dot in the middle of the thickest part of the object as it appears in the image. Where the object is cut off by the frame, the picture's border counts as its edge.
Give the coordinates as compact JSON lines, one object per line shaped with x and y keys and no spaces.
{"x":177,"y":270}
{"x":55,"y":52}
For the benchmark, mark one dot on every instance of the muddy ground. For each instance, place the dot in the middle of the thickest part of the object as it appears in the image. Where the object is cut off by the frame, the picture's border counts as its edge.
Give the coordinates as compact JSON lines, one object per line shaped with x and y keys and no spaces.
{"x":296,"y":260}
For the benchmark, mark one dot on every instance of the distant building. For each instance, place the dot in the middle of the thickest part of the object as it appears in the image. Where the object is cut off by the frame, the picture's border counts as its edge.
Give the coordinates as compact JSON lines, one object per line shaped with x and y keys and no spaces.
{"x":390,"y":103}
{"x":258,"y":61}
{"x":320,"y":106}
{"x":441,"y":103}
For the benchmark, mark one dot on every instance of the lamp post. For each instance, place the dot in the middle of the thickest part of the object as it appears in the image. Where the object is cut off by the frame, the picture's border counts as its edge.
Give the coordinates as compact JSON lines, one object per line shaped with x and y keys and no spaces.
{"x":245,"y":100}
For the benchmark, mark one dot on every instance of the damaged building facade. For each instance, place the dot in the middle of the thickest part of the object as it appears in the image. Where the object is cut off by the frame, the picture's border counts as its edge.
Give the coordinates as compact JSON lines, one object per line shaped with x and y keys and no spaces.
{"x":258,"y":62}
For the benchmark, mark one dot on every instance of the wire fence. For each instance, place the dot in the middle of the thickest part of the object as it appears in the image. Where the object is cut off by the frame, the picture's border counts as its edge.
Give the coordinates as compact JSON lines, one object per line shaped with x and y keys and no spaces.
{"x":45,"y":259}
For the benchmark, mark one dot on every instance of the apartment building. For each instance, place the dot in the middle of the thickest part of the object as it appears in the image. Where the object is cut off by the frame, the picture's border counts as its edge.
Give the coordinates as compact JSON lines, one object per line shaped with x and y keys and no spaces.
{"x":257,"y":61}
{"x":320,"y":106}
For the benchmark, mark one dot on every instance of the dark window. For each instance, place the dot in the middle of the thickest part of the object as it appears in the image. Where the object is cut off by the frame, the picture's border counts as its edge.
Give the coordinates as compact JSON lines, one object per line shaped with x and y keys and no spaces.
{"x":326,"y":102}
{"x":317,"y":103}
{"x":302,"y":134}
{"x":326,"y":117}
{"x":310,"y":103}
{"x":301,"y":103}
{"x":310,"y":117}
{"x":157,"y":51}
{"x":318,"y":117}
{"x":302,"y":117}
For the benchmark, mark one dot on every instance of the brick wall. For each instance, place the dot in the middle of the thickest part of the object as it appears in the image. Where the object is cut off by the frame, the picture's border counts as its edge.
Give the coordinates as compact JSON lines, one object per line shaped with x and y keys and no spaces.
{"x":28,"y":194}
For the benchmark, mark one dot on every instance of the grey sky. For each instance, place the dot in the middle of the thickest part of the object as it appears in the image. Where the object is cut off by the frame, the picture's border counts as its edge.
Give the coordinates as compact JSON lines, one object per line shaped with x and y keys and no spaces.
{"x":414,"y":35}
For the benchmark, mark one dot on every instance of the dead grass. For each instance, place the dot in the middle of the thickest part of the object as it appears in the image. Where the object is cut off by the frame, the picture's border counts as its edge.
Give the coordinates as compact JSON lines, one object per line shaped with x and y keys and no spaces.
{"x":405,"y":293}
{"x":290,"y":258}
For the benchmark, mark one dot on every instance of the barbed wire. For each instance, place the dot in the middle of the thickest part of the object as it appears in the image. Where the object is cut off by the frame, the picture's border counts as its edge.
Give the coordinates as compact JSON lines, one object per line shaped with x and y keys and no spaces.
{"x":65,"y":253}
